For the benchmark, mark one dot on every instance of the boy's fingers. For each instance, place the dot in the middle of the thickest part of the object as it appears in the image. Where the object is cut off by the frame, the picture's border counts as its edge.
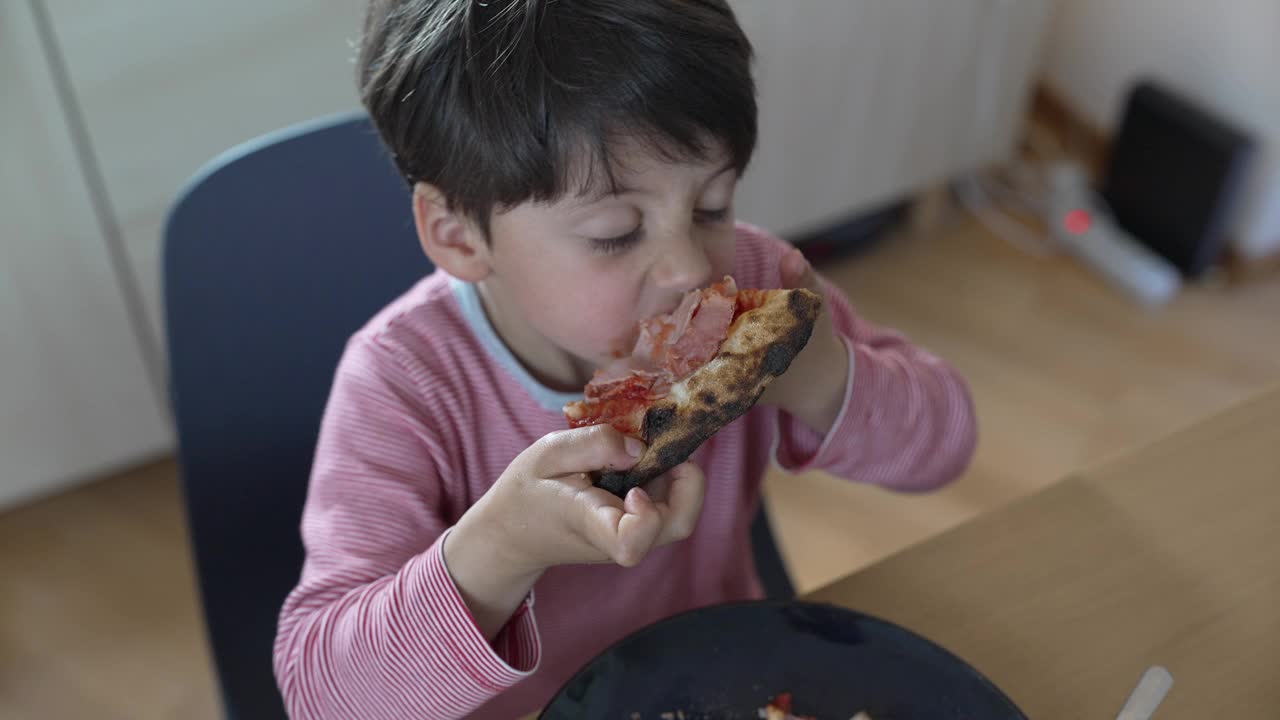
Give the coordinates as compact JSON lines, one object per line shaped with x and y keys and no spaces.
{"x":684,"y":502}
{"x":622,"y":530}
{"x":598,"y":447}
{"x":798,"y":273}
{"x":638,"y":528}
{"x":595,"y":515}
{"x":659,"y":488}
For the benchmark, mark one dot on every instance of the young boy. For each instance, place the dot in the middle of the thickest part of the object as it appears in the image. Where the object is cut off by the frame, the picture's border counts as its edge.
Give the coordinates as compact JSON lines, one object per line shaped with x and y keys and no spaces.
{"x":573,"y":165}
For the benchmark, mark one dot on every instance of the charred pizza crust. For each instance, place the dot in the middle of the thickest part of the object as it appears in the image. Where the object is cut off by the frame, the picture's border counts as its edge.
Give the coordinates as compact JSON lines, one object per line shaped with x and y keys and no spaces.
{"x":760,"y":345}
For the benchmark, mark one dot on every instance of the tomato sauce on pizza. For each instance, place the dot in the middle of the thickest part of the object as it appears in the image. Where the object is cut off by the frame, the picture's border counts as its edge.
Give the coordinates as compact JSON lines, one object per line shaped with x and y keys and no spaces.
{"x":670,"y":348}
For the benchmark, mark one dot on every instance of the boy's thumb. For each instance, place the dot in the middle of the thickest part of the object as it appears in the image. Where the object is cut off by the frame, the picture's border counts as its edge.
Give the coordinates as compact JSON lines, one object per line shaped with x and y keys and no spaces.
{"x":598,"y":447}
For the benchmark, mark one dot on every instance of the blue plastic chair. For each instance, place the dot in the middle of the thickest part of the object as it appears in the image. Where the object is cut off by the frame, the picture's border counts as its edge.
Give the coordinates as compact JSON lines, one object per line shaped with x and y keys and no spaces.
{"x":275,"y":254}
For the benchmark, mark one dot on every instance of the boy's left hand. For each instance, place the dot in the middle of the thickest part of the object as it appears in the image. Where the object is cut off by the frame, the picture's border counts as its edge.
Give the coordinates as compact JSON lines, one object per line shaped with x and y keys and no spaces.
{"x":812,"y":389}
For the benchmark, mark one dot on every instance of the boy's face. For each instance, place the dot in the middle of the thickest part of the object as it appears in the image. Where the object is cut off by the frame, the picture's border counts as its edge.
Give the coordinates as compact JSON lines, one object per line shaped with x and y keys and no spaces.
{"x":582,"y":272}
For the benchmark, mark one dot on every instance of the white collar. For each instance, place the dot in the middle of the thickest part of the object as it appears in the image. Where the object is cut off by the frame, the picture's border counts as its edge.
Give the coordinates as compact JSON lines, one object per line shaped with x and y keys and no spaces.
{"x":473,"y":312}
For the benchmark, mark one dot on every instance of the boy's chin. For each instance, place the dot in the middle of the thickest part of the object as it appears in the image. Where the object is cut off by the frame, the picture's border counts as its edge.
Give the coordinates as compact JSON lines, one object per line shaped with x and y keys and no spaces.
{"x":585,"y":368}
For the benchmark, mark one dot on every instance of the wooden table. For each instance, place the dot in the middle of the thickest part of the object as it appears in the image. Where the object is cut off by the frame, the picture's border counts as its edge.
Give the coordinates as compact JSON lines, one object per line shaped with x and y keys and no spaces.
{"x":1168,"y":555}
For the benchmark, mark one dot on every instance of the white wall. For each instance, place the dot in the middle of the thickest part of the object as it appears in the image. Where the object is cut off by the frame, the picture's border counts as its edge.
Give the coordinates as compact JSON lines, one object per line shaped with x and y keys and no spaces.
{"x":1224,"y":54}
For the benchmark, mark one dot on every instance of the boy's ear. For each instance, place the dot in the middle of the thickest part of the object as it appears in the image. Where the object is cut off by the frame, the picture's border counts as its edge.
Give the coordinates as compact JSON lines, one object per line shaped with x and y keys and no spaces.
{"x":451,"y":241}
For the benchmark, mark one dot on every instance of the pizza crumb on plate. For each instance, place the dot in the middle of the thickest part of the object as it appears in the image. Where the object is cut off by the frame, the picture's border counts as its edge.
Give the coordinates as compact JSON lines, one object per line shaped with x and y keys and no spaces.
{"x":780,"y":708}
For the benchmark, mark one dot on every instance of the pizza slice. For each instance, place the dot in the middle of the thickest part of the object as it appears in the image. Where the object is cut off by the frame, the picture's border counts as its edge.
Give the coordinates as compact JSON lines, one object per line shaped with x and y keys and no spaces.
{"x":693,"y":371}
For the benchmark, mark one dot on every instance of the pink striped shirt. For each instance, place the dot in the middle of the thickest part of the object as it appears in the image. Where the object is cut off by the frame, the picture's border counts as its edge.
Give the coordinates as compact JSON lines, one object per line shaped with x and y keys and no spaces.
{"x":429,"y":407}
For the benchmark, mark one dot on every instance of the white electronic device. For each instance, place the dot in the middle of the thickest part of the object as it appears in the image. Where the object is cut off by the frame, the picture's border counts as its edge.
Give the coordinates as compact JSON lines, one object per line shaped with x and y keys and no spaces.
{"x":1080,"y":224}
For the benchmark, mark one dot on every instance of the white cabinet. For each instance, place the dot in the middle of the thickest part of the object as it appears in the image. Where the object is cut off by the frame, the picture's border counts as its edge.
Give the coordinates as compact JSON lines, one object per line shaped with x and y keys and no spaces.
{"x":862,"y":101}
{"x":164,"y":86}
{"x":168,"y":84}
{"x":75,"y":397}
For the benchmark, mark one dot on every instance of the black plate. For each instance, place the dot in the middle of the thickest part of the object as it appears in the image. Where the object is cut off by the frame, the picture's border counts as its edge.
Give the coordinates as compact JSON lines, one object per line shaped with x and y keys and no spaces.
{"x":727,"y":661}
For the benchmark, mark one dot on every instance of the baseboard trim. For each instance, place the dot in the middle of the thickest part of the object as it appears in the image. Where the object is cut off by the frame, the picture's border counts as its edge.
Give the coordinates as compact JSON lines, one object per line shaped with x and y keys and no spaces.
{"x":1077,"y":135}
{"x":853,"y":234}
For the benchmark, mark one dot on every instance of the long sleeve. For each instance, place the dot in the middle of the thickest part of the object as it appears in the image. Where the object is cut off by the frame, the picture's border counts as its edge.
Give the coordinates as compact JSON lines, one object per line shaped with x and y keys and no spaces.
{"x":907,"y":421}
{"x":375,"y":627}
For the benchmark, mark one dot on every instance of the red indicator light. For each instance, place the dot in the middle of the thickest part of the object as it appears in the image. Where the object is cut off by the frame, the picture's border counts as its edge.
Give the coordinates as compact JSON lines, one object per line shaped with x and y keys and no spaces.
{"x":1077,"y":222}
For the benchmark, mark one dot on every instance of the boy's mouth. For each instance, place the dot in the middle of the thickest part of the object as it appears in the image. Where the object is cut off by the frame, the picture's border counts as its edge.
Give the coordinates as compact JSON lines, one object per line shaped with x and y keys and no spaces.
{"x":624,"y":345}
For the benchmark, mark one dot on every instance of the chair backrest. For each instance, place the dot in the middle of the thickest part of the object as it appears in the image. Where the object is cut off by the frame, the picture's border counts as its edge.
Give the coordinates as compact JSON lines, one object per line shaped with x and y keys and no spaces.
{"x":274,"y":255}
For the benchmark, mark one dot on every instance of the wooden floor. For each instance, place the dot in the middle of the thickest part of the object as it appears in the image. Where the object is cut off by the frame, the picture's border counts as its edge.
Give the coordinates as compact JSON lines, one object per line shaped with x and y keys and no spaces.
{"x":97,"y":610}
{"x":98,"y":613}
{"x":1063,"y":370}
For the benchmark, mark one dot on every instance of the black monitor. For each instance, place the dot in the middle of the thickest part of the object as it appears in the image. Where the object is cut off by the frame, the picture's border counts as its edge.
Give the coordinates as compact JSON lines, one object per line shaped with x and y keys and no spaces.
{"x":1174,"y":176}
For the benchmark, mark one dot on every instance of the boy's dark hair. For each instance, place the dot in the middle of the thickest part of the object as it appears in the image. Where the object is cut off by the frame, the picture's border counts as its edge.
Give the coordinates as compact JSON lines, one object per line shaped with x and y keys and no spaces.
{"x":499,"y":102}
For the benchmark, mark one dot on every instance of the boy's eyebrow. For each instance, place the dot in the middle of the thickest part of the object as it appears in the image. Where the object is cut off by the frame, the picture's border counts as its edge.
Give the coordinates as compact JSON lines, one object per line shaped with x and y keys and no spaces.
{"x":596,"y":194}
{"x":729,"y":165}
{"x":603,"y":191}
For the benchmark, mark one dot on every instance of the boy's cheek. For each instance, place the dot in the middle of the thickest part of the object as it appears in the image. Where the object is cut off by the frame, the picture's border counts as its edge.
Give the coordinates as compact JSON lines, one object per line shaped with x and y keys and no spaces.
{"x":598,"y":326}
{"x":722,"y":251}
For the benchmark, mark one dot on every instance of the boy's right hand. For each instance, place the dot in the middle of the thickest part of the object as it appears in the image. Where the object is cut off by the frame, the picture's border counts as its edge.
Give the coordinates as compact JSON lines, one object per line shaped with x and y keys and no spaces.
{"x":544,"y":511}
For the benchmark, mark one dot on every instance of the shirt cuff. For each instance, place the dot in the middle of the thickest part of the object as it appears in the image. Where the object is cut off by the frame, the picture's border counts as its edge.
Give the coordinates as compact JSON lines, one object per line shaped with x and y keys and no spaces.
{"x":514,"y":654}
{"x":799,"y":448}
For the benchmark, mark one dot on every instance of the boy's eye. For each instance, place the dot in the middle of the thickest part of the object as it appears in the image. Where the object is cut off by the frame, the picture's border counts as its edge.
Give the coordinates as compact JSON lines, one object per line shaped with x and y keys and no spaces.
{"x":711,"y":216}
{"x":610,"y":246}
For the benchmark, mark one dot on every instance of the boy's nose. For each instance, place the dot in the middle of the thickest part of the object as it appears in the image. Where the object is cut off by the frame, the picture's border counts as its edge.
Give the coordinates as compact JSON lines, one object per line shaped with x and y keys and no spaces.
{"x":684,"y":265}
